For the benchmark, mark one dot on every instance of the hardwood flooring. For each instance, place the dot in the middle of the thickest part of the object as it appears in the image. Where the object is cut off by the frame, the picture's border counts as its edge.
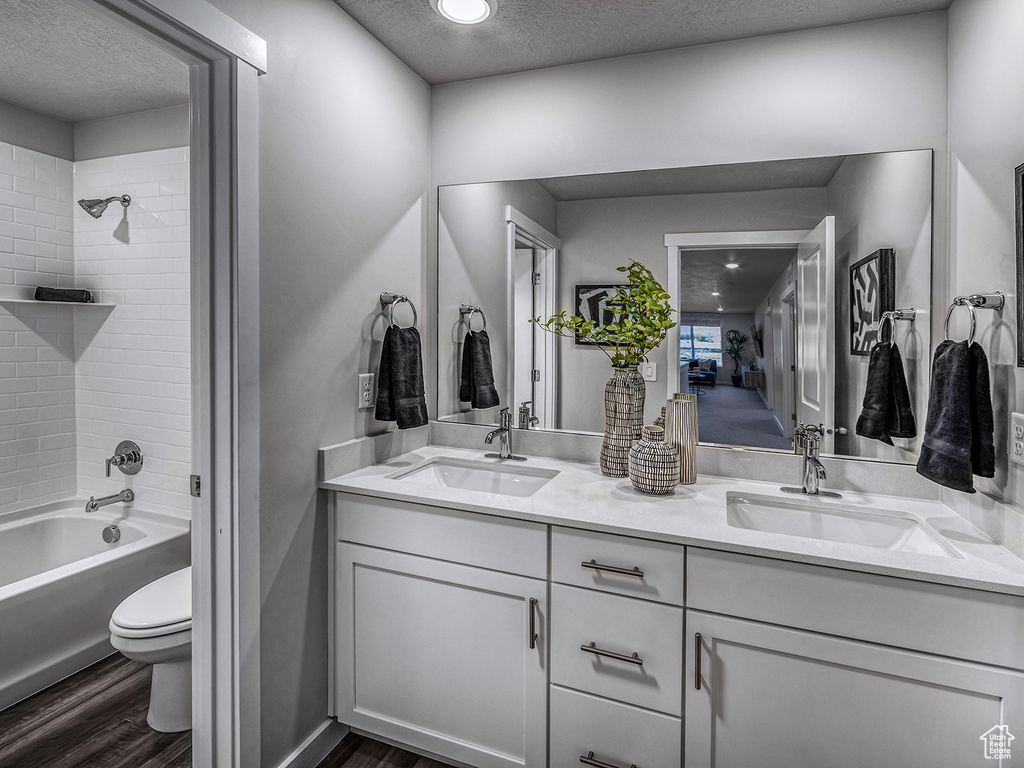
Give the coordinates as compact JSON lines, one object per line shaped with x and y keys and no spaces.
{"x":94,"y":719}
{"x":360,"y":752}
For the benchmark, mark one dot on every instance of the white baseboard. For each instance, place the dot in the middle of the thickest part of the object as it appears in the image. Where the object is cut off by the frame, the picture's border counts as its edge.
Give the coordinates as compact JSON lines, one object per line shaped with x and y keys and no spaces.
{"x":316,"y":746}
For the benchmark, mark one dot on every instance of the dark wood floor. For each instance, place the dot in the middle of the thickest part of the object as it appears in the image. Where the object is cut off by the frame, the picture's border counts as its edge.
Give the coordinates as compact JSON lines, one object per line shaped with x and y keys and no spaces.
{"x":95,"y":719}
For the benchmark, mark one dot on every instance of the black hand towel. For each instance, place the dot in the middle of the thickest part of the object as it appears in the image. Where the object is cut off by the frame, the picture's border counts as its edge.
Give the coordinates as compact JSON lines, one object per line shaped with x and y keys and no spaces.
{"x":400,"y":393}
{"x":62,"y":294}
{"x":900,"y":421}
{"x":958,"y":431}
{"x":477,"y":384}
{"x":874,"y":415}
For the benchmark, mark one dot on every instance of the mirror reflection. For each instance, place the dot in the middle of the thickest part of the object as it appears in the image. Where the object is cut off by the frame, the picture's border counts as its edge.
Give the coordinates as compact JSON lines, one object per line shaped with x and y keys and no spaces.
{"x":819,"y":248}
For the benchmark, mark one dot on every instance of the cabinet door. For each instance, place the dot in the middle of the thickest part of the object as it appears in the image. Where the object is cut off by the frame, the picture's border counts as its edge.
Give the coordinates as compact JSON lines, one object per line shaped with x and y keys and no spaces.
{"x":437,"y":656}
{"x":771,"y":696}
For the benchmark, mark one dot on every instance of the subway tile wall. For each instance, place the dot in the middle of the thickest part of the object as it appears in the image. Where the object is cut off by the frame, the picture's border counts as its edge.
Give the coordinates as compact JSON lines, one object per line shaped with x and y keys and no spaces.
{"x":133,"y":370}
{"x":75,"y":381}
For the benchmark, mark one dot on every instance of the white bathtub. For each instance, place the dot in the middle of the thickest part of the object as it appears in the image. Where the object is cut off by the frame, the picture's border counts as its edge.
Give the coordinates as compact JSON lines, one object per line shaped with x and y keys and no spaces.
{"x":59,"y":583}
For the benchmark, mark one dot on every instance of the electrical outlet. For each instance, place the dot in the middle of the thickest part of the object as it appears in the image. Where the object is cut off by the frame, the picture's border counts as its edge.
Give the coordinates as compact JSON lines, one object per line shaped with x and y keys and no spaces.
{"x":365,"y":390}
{"x":649,"y":371}
{"x":1017,"y":438}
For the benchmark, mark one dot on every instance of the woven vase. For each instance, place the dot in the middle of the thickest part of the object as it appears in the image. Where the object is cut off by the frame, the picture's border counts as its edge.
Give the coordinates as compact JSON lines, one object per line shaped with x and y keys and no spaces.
{"x":681,"y":432}
{"x":624,"y":396}
{"x":653,"y":463}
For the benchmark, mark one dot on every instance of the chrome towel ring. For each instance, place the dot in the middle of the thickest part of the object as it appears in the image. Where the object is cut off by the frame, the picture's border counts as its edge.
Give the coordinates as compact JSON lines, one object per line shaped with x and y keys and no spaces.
{"x":891,"y":317}
{"x":389,"y":300}
{"x":994,"y":301}
{"x":469,"y":309}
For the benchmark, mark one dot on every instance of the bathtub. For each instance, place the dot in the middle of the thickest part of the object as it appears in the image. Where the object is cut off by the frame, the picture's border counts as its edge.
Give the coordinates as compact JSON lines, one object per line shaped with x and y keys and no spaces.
{"x":60,"y":582}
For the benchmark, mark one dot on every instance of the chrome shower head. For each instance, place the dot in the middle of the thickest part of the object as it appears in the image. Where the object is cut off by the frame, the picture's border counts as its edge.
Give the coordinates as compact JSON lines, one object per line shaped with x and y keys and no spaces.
{"x":96,"y":207}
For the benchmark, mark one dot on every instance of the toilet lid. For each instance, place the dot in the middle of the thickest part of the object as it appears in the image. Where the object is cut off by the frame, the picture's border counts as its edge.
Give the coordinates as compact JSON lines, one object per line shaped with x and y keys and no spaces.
{"x":165,"y":602}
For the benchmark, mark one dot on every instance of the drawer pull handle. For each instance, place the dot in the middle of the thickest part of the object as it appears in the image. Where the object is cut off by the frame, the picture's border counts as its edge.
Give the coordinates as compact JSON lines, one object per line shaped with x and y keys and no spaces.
{"x":696,"y":661}
{"x":533,"y":623}
{"x":588,"y":759}
{"x":596,"y":566}
{"x":634,"y":659}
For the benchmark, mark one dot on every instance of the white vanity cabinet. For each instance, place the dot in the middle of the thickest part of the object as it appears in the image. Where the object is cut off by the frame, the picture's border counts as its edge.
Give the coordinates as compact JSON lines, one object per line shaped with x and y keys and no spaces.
{"x":813,"y":666}
{"x":441,"y":638}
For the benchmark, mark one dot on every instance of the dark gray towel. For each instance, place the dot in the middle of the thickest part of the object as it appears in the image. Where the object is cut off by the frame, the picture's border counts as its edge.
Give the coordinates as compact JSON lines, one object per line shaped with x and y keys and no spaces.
{"x":887,"y":412}
{"x":958,"y":431}
{"x":400,"y":394}
{"x":477,"y":384}
{"x":62,"y":294}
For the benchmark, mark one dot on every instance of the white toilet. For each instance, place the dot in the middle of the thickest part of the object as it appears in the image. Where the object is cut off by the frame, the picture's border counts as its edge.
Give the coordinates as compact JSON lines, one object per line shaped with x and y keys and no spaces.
{"x":154,"y":626}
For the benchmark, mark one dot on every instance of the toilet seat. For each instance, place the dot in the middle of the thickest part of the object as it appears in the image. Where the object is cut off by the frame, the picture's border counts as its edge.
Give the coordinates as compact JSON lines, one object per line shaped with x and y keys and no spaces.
{"x":162,"y":607}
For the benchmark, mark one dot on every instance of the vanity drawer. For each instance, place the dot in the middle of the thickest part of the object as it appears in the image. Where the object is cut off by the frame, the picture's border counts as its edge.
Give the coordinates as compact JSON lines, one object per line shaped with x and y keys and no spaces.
{"x":662,"y":564}
{"x":617,"y":734}
{"x":624,"y":626}
{"x":496,"y":543}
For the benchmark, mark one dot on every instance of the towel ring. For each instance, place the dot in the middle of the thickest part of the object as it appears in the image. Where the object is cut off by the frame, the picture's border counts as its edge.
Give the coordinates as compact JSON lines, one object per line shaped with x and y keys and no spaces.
{"x":960,"y":301}
{"x":466,"y":309}
{"x":389,"y":300}
{"x":887,"y":317}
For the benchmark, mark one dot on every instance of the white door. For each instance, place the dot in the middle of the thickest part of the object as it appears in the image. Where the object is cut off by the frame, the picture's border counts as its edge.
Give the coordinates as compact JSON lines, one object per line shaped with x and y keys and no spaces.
{"x":522,"y":331}
{"x":438,"y":656}
{"x":815,"y":307}
{"x":772,"y":697}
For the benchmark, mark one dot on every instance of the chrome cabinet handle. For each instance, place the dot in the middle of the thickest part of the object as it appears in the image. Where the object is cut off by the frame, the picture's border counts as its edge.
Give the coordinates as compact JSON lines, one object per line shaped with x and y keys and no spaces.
{"x":588,"y":759}
{"x":696,"y":661}
{"x":634,"y":659}
{"x":596,"y":566}
{"x":533,"y":623}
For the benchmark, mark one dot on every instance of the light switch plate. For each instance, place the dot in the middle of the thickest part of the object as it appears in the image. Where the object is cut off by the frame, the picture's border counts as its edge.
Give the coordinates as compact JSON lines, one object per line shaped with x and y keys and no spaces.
{"x":1017,"y":438}
{"x":365,"y":391}
{"x":649,"y":371}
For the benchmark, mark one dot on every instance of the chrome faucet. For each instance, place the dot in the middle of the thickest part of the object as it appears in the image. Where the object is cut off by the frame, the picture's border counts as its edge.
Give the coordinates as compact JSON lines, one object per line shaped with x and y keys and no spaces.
{"x":504,"y":432}
{"x":814,"y":471}
{"x":127,"y":457}
{"x":527,"y":419}
{"x":93,"y":503}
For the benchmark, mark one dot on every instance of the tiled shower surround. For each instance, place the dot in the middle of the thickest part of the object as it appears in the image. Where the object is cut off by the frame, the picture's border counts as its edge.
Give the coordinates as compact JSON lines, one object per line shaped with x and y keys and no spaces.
{"x":76,"y":380}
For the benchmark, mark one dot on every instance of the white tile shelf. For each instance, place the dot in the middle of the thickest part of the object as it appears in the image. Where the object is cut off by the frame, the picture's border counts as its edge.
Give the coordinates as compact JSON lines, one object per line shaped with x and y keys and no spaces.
{"x":56,"y":303}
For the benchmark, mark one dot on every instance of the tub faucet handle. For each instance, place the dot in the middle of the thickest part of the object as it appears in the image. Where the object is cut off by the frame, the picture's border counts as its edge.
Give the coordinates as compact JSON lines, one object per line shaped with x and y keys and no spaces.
{"x":127,"y":458}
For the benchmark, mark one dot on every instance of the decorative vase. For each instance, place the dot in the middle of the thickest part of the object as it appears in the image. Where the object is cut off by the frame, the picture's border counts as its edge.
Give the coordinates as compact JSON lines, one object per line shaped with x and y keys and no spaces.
{"x":681,"y":432}
{"x":653,"y":463}
{"x":690,"y":398}
{"x":624,"y":396}
{"x":660,"y":421}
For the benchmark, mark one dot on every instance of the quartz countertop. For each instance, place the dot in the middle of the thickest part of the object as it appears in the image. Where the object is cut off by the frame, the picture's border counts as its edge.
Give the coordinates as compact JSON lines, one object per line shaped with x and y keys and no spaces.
{"x":579,"y":496}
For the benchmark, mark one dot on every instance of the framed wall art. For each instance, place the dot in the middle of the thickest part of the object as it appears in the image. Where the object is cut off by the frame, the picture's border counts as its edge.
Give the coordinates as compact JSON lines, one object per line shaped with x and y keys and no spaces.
{"x":872,"y":292}
{"x":592,"y":304}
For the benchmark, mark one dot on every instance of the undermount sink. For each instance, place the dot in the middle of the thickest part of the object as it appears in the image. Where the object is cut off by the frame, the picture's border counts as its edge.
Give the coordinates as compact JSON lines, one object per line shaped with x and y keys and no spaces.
{"x":813,"y":519}
{"x":468,"y":475}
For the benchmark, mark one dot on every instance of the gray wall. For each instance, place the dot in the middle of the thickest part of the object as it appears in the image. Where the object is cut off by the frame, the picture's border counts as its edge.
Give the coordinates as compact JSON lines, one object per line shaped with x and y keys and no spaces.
{"x":986,"y":112}
{"x":136,"y":132}
{"x":344,"y":130}
{"x":32,"y":130}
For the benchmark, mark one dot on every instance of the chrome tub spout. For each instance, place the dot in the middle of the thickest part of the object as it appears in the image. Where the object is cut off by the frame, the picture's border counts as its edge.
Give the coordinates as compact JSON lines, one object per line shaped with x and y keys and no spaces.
{"x":93,"y":503}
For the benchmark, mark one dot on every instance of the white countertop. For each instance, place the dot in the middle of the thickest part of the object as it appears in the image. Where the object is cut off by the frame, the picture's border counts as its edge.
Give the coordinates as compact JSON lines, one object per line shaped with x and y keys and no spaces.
{"x":695,"y":515}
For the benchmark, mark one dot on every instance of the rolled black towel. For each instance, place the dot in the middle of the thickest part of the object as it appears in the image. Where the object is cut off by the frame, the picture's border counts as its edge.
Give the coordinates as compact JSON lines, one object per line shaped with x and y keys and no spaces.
{"x":477,"y":384}
{"x":400,"y":392}
{"x":63,"y":294}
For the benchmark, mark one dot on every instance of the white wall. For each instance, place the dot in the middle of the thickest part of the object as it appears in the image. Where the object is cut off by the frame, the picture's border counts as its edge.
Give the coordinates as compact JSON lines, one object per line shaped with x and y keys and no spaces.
{"x":472,"y":243}
{"x":600,"y":235}
{"x":344,"y":161}
{"x":986,"y":142}
{"x":883,"y":201}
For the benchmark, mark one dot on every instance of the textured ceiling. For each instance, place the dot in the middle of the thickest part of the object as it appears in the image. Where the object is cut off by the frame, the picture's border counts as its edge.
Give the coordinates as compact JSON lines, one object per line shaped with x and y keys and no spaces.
{"x":742,"y":289}
{"x":736,"y":177}
{"x":58,"y":60}
{"x":529,"y":34}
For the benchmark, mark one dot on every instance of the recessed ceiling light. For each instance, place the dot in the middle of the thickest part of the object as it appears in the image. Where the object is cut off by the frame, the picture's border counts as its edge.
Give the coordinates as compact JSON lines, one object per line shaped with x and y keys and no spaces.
{"x":721,"y":310}
{"x":465,"y":11}
{"x":731,"y":265}
{"x":715,"y":293}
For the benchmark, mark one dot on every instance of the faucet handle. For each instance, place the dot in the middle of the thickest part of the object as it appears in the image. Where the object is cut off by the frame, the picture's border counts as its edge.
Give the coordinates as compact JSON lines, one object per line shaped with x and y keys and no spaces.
{"x":127,"y":457}
{"x":505,"y":418}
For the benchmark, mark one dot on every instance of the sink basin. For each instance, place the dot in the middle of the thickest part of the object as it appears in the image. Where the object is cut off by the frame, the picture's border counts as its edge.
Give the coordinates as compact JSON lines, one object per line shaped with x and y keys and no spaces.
{"x":486,"y":477}
{"x":813,"y":519}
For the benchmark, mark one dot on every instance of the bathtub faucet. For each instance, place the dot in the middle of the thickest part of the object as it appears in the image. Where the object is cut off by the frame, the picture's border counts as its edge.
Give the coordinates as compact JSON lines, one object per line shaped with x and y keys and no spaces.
{"x":93,"y":503}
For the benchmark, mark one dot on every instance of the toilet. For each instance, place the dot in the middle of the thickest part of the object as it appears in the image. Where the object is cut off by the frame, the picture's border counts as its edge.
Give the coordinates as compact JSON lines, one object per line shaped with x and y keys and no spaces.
{"x":154,"y":626}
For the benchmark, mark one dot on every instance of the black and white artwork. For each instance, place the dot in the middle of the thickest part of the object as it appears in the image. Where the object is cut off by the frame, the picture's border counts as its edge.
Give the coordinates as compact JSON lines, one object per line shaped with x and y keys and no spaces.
{"x":592,"y":304}
{"x":872,"y":292}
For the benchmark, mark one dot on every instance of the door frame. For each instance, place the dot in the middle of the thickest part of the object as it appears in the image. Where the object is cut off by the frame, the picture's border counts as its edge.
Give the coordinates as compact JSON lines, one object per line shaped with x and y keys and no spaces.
{"x":225,"y":60}
{"x":676,"y":243}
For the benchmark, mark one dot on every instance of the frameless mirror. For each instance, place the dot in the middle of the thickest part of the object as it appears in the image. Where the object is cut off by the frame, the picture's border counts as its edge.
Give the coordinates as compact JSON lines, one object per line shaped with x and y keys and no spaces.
{"x":821,"y":247}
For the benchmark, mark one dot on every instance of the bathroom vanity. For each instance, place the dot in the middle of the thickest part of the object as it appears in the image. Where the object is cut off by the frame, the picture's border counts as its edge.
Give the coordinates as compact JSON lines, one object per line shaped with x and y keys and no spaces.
{"x":582,"y":623}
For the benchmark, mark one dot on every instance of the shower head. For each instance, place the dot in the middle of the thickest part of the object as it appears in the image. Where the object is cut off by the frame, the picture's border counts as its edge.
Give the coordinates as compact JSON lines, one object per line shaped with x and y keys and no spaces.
{"x":96,"y":207}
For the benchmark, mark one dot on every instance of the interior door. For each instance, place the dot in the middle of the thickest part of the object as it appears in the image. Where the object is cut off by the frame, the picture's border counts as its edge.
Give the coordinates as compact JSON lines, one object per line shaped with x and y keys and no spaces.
{"x":815,"y":347}
{"x":522,"y":330}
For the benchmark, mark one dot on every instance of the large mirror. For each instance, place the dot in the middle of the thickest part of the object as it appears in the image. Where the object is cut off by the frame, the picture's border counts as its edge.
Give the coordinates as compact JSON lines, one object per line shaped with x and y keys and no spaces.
{"x":799,"y":256}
